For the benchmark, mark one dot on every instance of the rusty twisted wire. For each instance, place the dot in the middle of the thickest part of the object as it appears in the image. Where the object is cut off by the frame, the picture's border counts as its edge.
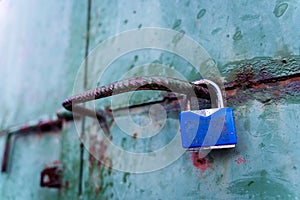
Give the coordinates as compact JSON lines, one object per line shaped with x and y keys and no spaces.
{"x":133,"y":84}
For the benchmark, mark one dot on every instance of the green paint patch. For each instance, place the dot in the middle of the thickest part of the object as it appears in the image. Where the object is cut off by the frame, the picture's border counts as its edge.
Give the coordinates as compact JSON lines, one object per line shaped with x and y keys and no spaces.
{"x":123,"y":142}
{"x":215,"y":31}
{"x":263,"y":187}
{"x":125,"y":176}
{"x":280,"y":9}
{"x":261,"y":145}
{"x":219,"y":178}
{"x":237,"y":35}
{"x":250,"y":183}
{"x":131,"y":66}
{"x":201,"y":13}
{"x":176,"y":24}
{"x":263,"y":173}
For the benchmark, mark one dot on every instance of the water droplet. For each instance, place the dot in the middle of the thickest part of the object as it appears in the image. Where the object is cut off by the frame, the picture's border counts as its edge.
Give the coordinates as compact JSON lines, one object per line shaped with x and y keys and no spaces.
{"x":280,"y":9}
{"x":201,"y":13}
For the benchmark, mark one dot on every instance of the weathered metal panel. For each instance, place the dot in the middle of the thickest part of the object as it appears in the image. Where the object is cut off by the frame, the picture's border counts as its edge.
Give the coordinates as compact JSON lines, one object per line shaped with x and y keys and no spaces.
{"x":42,"y":43}
{"x":255,"y":46}
{"x":28,"y":157}
{"x":264,"y":163}
{"x":70,"y":157}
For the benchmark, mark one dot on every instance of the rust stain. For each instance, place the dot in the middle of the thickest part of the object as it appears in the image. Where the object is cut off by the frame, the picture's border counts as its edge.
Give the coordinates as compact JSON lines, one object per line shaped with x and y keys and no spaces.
{"x":54,"y":163}
{"x":67,"y":184}
{"x":51,"y":177}
{"x":200,"y":162}
{"x":134,"y":136}
{"x":42,"y":126}
{"x":251,"y":83}
{"x":276,"y":89}
{"x":97,"y":160}
{"x":97,"y":189}
{"x":243,"y":88}
{"x":97,"y":151}
{"x":57,"y":162}
{"x":46,"y":126}
{"x":240,"y":160}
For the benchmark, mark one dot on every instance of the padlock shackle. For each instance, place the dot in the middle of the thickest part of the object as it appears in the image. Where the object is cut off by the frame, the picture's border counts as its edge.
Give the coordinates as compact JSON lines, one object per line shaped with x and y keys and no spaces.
{"x":216,"y":88}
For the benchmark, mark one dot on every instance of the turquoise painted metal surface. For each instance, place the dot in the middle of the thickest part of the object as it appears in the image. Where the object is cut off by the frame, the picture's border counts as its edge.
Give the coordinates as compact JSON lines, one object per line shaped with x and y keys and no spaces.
{"x":43,"y":46}
{"x":36,"y":44}
{"x":27,"y":159}
{"x":37,"y":40}
{"x":229,"y":32}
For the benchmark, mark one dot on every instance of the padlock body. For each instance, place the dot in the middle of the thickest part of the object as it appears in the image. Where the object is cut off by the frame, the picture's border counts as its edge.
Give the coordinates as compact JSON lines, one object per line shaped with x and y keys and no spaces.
{"x":209,"y":128}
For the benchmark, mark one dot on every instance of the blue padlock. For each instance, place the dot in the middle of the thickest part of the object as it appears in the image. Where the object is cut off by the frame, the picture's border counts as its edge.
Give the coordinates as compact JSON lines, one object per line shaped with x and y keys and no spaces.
{"x":209,"y":128}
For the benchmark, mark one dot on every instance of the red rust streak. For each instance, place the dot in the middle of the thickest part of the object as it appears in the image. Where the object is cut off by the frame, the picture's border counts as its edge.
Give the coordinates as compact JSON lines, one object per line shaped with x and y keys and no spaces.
{"x":231,"y":91}
{"x":134,"y":136}
{"x":240,"y":160}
